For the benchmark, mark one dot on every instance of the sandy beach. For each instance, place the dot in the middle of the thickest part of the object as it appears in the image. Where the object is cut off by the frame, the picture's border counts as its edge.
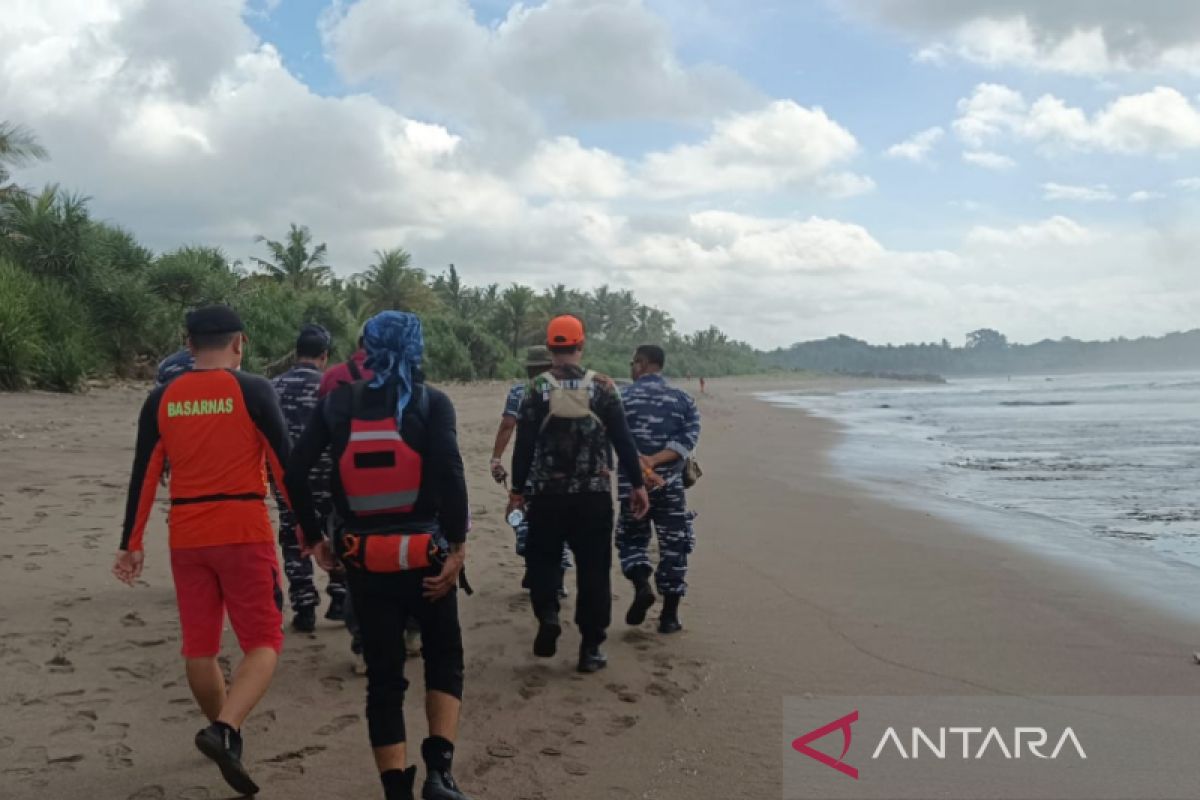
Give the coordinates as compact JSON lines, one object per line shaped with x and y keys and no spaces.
{"x":801,"y":583}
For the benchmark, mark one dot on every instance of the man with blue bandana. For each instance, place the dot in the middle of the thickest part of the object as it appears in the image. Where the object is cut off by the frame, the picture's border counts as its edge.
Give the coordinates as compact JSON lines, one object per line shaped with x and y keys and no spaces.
{"x":397,"y":481}
{"x":666,"y":427}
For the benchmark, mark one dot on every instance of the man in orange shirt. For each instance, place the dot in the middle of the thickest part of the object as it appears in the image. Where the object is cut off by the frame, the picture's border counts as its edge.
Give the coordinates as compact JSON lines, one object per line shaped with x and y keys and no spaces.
{"x":219,"y":428}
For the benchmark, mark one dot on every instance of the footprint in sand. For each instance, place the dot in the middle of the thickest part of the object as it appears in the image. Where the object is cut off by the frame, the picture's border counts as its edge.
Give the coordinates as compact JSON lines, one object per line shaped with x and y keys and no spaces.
{"x":622,"y":692}
{"x":113,"y":731}
{"x":501,"y":750}
{"x":149,"y":793}
{"x":117,"y":756}
{"x":620,"y":723}
{"x":575,"y":768}
{"x":132,"y":620}
{"x":295,"y":755}
{"x":60,"y":664}
{"x":337,"y":725}
{"x":194,"y":793}
{"x":333,"y":683}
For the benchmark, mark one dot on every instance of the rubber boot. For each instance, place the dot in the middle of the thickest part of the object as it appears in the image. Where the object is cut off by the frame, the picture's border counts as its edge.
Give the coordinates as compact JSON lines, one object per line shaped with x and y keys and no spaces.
{"x":398,"y":783}
{"x":668,"y":621}
{"x":439,"y":783}
{"x":643,"y":595}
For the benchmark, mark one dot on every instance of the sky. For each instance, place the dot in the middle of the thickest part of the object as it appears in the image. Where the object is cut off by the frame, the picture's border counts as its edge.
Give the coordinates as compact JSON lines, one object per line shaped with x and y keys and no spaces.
{"x":894,"y":170}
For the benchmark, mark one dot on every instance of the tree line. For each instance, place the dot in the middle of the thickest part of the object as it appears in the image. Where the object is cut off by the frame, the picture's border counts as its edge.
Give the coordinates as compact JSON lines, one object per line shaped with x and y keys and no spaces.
{"x":987,"y":351}
{"x":82,"y":298}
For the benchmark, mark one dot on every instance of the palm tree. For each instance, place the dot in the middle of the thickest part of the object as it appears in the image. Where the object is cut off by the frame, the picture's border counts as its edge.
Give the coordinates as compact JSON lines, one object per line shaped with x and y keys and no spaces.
{"x":292,"y":262}
{"x":18,"y":146}
{"x":513,"y":315}
{"x":48,"y":232}
{"x":450,"y":290}
{"x":392,"y":284}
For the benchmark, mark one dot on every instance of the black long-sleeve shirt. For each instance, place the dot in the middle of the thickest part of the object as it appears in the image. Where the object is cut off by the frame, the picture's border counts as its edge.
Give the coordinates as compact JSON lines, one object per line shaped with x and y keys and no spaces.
{"x":533,"y":469}
{"x":427,"y":427}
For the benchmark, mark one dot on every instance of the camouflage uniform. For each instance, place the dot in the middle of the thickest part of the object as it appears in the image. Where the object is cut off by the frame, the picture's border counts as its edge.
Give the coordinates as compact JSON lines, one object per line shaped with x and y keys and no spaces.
{"x":661,"y":417}
{"x":297,"y":390}
{"x":173,"y":366}
{"x":512,"y":408}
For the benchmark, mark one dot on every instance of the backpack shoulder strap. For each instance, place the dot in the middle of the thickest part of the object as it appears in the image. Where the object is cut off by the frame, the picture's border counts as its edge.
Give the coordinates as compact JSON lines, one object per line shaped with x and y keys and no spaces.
{"x":356,"y":396}
{"x":355,"y":372}
{"x":422,"y":398}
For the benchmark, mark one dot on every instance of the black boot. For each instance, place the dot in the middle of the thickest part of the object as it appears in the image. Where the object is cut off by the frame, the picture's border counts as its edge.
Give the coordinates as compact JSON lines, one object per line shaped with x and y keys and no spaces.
{"x":669,"y":622}
{"x":643,"y":595}
{"x":545,"y":644}
{"x":398,"y":783}
{"x":337,"y":608}
{"x":591,"y":658}
{"x":223,"y":745}
{"x":439,"y":783}
{"x":305,"y":620}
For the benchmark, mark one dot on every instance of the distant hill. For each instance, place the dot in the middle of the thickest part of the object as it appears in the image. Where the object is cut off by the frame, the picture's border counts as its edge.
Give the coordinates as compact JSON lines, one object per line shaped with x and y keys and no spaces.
{"x":988,"y":352}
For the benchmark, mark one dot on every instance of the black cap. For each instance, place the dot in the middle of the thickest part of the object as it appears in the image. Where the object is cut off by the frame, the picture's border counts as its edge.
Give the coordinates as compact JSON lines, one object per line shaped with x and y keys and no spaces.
{"x":315,"y":335}
{"x":212,"y":320}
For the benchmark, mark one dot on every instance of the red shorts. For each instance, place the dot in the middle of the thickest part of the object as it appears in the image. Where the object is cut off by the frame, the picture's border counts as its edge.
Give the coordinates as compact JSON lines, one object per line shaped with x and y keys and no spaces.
{"x":242,"y":579}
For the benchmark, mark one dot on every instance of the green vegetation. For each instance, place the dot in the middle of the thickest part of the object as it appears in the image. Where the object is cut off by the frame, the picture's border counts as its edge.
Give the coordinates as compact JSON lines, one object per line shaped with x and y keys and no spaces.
{"x":81,"y":298}
{"x":988,"y":351}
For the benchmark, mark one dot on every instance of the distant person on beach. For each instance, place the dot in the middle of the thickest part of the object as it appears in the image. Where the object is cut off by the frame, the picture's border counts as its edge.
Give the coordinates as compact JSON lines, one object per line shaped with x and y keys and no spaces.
{"x":221,"y":429}
{"x":703,"y":385}
{"x":398,"y":486}
{"x":570,"y":420}
{"x":297,"y":390}
{"x":665,"y":425}
{"x":537,"y":361}
{"x":173,"y":366}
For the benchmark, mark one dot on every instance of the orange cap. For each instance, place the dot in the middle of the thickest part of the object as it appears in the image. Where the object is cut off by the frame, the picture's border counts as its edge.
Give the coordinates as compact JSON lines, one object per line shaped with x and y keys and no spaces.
{"x":564,"y":331}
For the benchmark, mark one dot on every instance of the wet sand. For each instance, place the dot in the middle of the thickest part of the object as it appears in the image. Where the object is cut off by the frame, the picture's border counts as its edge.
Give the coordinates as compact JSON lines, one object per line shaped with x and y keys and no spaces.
{"x":801,"y":583}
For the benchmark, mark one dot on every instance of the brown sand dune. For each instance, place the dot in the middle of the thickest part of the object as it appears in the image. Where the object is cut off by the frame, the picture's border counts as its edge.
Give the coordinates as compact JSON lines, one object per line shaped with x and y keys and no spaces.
{"x":802,"y":583}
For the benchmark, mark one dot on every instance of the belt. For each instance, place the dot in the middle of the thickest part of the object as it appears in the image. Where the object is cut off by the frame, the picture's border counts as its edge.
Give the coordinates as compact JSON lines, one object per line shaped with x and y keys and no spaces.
{"x":216,"y":498}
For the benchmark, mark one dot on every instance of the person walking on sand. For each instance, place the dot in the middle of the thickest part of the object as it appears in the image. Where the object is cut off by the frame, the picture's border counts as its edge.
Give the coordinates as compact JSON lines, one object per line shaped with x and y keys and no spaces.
{"x":665,"y":425}
{"x":297,"y":390}
{"x":570,"y":421}
{"x":221,"y":429}
{"x":399,"y":488}
{"x":537,"y":361}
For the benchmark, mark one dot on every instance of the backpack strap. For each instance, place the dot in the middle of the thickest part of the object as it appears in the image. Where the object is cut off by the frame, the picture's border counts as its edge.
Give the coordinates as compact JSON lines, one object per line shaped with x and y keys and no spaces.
{"x":355,"y":372}
{"x":356,"y":397}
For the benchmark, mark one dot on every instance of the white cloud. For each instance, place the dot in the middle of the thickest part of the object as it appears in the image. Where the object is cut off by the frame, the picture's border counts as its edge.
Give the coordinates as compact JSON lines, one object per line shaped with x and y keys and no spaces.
{"x":988,"y":160}
{"x":1075,"y":37}
{"x":1161,"y":121}
{"x":580,"y":59}
{"x":1056,"y":230}
{"x":1144,"y":196}
{"x":918,"y":146}
{"x":1188,"y":184}
{"x":562,"y":167}
{"x":991,"y":110}
{"x":1083,"y":194}
{"x":784,"y":144}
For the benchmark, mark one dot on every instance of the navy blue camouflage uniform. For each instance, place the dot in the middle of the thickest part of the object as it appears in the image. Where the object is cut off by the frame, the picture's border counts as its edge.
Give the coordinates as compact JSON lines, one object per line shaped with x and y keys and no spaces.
{"x":297,"y":390}
{"x":512,"y":408}
{"x":661,"y":417}
{"x":173,"y":366}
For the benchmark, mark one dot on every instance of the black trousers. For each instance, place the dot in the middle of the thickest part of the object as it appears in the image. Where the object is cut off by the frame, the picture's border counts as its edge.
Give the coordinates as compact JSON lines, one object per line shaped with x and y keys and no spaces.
{"x":382,"y":606}
{"x":585,"y":523}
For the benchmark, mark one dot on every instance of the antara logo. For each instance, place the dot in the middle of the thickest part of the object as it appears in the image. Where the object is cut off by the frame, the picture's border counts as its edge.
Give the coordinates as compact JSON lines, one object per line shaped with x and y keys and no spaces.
{"x":939,"y":745}
{"x":800,"y":744}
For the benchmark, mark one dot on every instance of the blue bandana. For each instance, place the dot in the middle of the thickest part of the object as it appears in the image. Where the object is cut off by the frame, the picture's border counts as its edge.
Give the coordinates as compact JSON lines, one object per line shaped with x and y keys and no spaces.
{"x":394,"y":345}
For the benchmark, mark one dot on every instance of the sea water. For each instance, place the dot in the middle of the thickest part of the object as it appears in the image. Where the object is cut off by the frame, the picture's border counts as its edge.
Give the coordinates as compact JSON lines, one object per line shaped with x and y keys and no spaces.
{"x":1103,"y":469}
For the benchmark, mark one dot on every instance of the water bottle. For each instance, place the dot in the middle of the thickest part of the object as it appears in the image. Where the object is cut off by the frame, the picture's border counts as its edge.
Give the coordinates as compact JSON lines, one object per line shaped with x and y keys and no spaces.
{"x":516,"y":517}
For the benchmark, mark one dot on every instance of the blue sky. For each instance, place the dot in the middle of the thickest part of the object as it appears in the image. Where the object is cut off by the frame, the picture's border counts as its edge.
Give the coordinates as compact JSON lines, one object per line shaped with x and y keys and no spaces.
{"x":729,"y":161}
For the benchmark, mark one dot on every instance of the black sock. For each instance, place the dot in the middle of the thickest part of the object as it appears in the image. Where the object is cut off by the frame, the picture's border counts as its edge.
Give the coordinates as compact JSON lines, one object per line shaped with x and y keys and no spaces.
{"x":438,"y":753}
